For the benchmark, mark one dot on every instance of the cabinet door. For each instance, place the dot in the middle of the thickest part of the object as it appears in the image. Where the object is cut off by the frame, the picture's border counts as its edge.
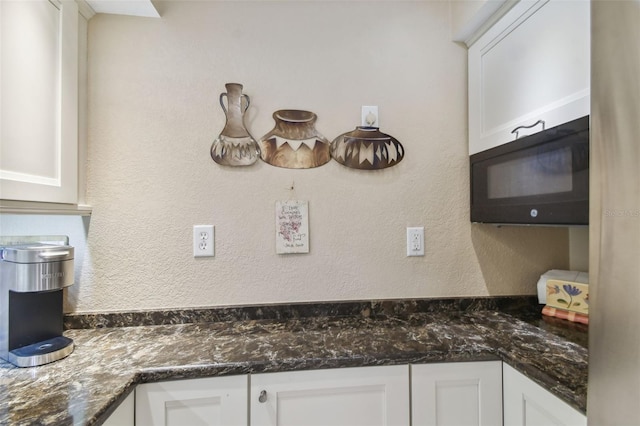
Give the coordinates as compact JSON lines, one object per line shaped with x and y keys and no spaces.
{"x":457,"y":394}
{"x":124,"y":414}
{"x":366,"y":396}
{"x":528,"y":404}
{"x":533,"y":64}
{"x":39,"y":100}
{"x":210,"y":401}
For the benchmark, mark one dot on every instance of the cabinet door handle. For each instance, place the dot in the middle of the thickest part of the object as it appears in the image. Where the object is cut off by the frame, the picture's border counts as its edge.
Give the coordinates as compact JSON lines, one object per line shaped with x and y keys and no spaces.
{"x":528,"y":127}
{"x":263,"y":396}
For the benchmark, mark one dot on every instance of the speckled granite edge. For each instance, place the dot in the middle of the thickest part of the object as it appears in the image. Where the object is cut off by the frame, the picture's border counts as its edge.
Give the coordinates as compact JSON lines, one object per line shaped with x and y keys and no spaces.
{"x":374,"y":308}
{"x":108,"y":363}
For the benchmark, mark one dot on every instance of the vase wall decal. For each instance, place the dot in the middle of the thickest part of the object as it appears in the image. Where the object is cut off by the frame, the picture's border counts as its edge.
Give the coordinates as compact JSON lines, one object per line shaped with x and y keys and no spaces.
{"x":367,"y":148}
{"x":294,"y":142}
{"x":235,"y":146}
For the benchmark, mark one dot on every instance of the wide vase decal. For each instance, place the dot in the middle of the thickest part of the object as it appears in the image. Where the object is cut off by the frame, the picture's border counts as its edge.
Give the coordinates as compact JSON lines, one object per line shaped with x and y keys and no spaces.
{"x":294,"y":143}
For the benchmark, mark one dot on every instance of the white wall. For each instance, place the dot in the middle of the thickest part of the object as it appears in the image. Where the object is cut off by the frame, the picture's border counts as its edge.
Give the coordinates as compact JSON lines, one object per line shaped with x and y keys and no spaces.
{"x":153,"y":114}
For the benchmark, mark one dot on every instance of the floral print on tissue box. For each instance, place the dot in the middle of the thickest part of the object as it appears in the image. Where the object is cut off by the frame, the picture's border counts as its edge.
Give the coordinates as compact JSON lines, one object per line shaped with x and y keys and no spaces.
{"x":568,"y":295}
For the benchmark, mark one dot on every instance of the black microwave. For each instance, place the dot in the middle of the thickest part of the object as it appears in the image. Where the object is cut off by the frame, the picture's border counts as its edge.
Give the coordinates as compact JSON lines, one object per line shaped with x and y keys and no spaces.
{"x":540,"y":179}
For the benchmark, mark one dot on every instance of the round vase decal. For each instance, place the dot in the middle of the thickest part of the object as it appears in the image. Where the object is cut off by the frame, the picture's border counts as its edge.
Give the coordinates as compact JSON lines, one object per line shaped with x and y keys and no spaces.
{"x":294,"y":142}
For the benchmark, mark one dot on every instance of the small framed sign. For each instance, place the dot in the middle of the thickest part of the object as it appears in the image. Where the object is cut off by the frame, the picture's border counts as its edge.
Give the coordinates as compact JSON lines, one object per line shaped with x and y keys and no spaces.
{"x":292,"y":227}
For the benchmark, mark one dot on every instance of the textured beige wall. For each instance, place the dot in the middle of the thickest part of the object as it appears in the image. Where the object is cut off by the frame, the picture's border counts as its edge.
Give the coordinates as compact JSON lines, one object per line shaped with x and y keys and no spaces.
{"x":579,"y":249}
{"x":153,"y":113}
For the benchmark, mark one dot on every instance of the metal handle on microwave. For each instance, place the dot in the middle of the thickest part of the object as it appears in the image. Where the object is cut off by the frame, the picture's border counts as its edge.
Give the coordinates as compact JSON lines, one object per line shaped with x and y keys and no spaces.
{"x":527,"y":127}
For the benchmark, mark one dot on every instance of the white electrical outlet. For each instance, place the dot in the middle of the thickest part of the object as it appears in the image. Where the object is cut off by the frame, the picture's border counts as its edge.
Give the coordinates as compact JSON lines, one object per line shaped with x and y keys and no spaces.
{"x":415,"y":241}
{"x":203,"y":241}
{"x":370,"y":116}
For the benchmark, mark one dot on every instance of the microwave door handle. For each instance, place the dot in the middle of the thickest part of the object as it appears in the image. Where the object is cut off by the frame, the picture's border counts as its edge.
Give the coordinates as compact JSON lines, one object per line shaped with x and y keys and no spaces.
{"x":528,"y":127}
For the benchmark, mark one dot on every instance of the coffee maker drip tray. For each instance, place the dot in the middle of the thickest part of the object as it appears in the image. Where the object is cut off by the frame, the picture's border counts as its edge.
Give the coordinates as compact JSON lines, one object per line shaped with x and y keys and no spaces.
{"x":41,"y":352}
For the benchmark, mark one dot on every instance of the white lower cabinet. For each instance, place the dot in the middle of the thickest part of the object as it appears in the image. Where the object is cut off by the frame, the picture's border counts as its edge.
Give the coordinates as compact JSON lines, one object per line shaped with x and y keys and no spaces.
{"x":124,"y":414}
{"x":364,"y":396}
{"x":195,"y":402}
{"x":528,"y":404}
{"x":440,"y":394}
{"x":457,"y":394}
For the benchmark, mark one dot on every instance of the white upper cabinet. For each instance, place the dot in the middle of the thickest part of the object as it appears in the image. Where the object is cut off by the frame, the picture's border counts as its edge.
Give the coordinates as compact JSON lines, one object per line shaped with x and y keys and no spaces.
{"x":531,"y":65}
{"x":39,"y":101}
{"x":43,"y":101}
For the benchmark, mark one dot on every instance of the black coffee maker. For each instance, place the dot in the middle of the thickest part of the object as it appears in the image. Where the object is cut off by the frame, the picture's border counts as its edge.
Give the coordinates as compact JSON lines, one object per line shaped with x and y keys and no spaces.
{"x":32,"y":276}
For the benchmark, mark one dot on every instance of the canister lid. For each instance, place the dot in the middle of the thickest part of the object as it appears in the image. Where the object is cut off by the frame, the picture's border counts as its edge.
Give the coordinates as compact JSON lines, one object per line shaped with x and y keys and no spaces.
{"x":36,"y":253}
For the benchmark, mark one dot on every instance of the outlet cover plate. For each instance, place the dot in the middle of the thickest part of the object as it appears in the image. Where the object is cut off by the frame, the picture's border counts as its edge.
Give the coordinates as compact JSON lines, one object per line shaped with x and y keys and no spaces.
{"x":415,"y":241}
{"x":370,"y":117}
{"x":203,"y":241}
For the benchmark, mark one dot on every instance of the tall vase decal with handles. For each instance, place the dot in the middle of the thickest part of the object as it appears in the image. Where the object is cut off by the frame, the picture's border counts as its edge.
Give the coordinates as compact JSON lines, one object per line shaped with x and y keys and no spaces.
{"x":235,"y":146}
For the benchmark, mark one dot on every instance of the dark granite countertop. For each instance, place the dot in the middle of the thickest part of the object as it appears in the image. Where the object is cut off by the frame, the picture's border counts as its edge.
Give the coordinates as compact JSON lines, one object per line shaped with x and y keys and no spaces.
{"x":109,"y":362}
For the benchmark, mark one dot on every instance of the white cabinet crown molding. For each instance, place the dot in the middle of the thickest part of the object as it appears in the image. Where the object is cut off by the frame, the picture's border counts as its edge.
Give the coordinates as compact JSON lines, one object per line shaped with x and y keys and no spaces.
{"x":85,"y":9}
{"x":142,"y":8}
{"x":483,"y":18}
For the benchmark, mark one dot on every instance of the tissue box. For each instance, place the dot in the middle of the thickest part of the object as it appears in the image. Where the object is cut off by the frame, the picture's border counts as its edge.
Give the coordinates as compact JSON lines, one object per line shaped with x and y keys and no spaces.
{"x":568,"y":295}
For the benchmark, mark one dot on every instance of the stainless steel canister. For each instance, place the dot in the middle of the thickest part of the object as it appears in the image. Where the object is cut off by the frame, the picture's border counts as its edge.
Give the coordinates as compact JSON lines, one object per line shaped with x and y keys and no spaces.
{"x":32,"y":276}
